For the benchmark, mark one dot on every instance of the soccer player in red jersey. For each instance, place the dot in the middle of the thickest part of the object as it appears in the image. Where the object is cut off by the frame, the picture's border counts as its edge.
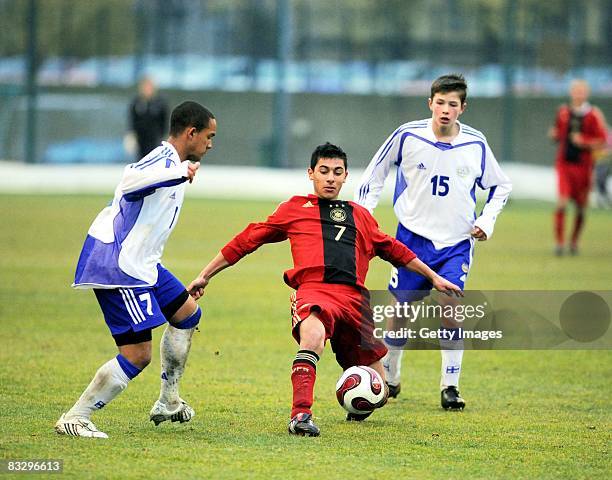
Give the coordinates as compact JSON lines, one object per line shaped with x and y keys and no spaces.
{"x":579,"y":129}
{"x":332,"y":243}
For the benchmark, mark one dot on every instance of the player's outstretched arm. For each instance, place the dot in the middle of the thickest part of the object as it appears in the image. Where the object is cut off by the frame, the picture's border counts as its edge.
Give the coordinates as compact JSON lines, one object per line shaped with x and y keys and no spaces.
{"x":439,"y":283}
{"x":196,"y":287}
{"x":140,"y":182}
{"x":250,"y":239}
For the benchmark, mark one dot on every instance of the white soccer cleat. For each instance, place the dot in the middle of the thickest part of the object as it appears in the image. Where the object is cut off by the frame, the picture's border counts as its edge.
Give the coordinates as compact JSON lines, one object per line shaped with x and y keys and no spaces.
{"x":78,"y":427}
{"x":160,"y":413}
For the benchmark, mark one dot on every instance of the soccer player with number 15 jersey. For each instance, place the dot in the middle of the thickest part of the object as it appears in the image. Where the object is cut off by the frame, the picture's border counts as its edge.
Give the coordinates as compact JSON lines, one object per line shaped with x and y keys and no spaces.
{"x":439,"y":164}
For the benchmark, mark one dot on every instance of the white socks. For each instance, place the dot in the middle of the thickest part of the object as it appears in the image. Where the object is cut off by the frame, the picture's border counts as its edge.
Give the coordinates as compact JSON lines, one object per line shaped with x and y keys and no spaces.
{"x":451,"y":363}
{"x":113,"y":377}
{"x":392,"y":363}
{"x":108,"y":382}
{"x":174,"y":348}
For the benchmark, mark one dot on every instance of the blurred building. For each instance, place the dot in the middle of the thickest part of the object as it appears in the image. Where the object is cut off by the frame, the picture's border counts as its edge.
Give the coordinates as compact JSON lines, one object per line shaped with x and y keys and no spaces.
{"x":349,"y":60}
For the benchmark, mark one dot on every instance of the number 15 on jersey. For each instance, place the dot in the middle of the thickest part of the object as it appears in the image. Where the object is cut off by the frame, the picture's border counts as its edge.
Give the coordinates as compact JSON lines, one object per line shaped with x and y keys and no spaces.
{"x":439,"y":185}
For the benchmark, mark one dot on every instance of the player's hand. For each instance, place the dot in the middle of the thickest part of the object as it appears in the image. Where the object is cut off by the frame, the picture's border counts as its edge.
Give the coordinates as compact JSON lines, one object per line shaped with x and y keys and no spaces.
{"x":192,"y":168}
{"x":478,"y":234}
{"x":444,"y":286}
{"x":196,"y":288}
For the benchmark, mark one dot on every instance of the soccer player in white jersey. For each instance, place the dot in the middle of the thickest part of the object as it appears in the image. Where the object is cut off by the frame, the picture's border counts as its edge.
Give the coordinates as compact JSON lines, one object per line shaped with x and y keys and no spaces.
{"x":439,"y":164}
{"x":120,"y":261}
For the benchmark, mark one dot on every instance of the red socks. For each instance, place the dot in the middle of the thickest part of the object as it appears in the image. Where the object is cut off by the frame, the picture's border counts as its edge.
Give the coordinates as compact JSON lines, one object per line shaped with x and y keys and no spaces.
{"x":559,"y":225}
{"x":303,"y":376}
{"x":578,"y":222}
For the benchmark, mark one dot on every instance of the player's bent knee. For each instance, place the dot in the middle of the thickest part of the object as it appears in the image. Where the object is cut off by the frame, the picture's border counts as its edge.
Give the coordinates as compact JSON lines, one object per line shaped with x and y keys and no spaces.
{"x":138,"y":355}
{"x":144,"y":362}
{"x":313,"y":343}
{"x":143,"y":359}
{"x":186,"y":309}
{"x":191,"y":321}
{"x":312,"y":334}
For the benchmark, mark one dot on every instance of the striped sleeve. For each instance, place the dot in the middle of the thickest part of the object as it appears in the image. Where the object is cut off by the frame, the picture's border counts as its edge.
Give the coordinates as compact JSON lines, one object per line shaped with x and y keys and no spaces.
{"x":499,"y":185}
{"x":137,"y":182}
{"x":373,"y":179}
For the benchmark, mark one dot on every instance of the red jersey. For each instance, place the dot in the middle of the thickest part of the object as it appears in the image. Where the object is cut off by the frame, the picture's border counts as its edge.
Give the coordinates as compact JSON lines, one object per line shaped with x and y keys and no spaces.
{"x":332,"y":241}
{"x":589,"y":124}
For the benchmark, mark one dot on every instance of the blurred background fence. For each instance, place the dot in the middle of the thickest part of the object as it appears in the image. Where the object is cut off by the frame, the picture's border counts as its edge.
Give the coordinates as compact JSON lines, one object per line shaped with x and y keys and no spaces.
{"x":284,"y":75}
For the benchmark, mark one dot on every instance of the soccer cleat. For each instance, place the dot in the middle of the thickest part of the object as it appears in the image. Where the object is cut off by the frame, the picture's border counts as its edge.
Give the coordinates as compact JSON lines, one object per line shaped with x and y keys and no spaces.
{"x":394,"y":390}
{"x":357,"y":417}
{"x":303,"y":425}
{"x":559,"y":251}
{"x":451,"y":399}
{"x":573,"y":249}
{"x":78,"y":427}
{"x":160,"y":413}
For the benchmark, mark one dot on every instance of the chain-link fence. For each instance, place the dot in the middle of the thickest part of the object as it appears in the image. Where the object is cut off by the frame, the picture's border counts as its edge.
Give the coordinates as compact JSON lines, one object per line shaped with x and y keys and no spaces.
{"x":512,"y":51}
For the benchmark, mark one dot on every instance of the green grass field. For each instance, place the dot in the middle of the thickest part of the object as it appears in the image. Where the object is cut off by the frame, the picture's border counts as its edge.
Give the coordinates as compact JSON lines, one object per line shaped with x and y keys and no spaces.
{"x":530,"y":414}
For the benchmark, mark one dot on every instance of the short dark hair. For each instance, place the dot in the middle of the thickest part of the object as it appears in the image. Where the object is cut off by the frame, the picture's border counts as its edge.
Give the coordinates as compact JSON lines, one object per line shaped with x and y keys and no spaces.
{"x":453,"y":82}
{"x":189,"y":114}
{"x":327,"y":150}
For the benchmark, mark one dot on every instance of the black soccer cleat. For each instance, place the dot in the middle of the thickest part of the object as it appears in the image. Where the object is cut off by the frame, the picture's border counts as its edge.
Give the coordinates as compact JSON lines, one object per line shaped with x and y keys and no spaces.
{"x":303,"y":425}
{"x":394,"y":390}
{"x":451,"y":399}
{"x":357,"y":417}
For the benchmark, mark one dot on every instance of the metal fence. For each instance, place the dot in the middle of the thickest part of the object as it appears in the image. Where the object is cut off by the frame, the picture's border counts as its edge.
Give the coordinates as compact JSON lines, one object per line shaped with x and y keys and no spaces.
{"x":508,"y":49}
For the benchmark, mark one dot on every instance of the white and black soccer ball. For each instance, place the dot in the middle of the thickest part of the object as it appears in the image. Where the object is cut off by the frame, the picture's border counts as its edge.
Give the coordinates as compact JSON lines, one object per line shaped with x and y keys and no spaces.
{"x":360,"y":390}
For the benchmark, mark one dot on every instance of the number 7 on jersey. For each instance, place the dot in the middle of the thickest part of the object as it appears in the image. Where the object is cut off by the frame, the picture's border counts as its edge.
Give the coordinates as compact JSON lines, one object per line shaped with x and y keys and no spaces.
{"x":341,"y":229}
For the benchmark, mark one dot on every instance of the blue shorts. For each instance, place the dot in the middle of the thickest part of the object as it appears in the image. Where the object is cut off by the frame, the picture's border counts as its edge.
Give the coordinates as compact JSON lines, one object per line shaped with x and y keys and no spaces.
{"x":142,"y":308}
{"x":453,"y":263}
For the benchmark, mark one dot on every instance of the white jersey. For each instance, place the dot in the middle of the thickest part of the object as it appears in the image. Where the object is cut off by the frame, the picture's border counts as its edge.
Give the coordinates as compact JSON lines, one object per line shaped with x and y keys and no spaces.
{"x":436,"y":181}
{"x":126,"y":240}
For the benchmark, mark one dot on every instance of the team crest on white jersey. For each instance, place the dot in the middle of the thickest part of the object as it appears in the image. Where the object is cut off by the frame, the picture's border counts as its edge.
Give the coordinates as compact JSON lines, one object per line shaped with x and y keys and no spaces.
{"x":337,"y":215}
{"x":463,"y":171}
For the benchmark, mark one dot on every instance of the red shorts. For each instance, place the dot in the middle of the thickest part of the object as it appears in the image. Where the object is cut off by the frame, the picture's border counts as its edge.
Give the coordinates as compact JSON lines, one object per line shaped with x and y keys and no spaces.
{"x":574,"y":182}
{"x":347,"y":317}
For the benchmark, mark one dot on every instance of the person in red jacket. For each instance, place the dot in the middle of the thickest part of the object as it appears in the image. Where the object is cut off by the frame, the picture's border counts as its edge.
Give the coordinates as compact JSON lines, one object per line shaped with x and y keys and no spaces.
{"x":332,"y":243}
{"x":579,"y":129}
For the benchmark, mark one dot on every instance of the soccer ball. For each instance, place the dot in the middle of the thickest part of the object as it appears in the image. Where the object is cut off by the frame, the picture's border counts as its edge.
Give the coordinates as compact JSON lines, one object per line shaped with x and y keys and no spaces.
{"x":360,"y":390}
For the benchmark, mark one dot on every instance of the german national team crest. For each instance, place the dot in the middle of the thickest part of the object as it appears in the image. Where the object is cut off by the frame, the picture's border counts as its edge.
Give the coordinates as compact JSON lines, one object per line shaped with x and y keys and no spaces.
{"x":337,"y":215}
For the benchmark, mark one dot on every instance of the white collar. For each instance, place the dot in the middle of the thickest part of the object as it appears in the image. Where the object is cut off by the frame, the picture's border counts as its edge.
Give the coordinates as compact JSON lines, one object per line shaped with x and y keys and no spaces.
{"x":175,"y":154}
{"x":582,"y":109}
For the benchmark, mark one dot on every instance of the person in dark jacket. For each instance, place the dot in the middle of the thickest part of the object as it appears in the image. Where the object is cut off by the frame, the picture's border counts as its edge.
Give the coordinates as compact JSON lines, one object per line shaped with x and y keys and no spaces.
{"x":148,"y":117}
